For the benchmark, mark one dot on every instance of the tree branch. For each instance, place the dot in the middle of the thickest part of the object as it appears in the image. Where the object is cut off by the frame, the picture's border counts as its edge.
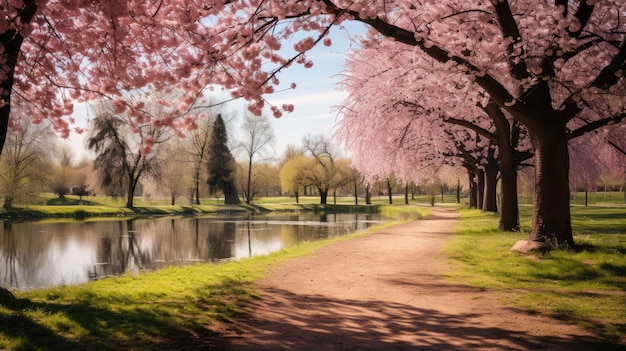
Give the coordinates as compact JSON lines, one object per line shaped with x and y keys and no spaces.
{"x":591,"y":126}
{"x":510,"y":30}
{"x":463,"y":123}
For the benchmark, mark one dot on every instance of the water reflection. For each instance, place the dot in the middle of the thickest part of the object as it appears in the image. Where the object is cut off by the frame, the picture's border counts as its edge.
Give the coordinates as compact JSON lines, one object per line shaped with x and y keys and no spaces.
{"x":34,"y":255}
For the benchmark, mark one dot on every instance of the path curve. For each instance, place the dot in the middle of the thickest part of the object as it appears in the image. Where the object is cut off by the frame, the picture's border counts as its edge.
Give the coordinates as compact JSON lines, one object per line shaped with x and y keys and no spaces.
{"x":386,"y":291}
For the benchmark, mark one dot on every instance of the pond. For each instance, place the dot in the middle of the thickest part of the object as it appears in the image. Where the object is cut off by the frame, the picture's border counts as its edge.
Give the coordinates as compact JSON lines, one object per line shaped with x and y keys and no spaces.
{"x":38,"y":254}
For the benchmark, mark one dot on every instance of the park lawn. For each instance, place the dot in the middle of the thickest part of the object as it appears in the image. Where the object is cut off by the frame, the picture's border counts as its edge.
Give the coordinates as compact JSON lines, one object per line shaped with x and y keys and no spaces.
{"x":95,"y":207}
{"x":585,"y":285}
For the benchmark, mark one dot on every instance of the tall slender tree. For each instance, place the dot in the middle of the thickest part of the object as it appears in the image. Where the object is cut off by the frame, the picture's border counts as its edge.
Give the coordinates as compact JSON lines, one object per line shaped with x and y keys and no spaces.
{"x":196,"y":145}
{"x":258,"y":137}
{"x":221,"y":164}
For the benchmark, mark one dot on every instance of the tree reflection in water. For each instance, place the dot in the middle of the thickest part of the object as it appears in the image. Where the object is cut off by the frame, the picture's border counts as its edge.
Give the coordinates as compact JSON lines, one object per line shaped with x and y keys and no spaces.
{"x":34,"y":254}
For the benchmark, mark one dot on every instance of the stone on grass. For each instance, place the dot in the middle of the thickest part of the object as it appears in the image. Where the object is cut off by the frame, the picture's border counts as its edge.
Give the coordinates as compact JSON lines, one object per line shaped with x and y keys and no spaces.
{"x":528,"y":246}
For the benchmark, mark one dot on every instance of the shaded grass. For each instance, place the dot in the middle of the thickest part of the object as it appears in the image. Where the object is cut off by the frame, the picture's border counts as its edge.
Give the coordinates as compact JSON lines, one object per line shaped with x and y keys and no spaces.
{"x":176,"y":307}
{"x":585,"y":285}
{"x":129,"y":312}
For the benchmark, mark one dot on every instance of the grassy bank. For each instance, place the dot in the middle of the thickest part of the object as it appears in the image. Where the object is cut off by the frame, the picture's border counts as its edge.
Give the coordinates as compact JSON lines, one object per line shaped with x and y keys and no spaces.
{"x":170,"y":308}
{"x":585,"y":285}
{"x":96,"y":207}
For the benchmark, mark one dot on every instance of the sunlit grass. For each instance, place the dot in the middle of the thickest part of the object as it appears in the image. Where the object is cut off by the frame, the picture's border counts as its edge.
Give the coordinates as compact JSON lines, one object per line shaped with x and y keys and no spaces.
{"x":600,"y":198}
{"x":102,"y":206}
{"x":585,"y":285}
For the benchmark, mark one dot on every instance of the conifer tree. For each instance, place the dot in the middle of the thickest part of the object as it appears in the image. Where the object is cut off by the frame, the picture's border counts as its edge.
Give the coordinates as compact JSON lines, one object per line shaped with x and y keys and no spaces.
{"x":221,"y":164}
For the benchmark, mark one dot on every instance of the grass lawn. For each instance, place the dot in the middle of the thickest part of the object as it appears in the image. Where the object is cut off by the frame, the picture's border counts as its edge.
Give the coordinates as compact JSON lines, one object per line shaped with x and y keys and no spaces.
{"x":585,"y":285}
{"x":99,"y":206}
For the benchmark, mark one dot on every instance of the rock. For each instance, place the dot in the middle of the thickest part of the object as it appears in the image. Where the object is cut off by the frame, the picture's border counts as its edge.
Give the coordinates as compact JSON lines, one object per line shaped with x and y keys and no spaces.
{"x":527,"y":246}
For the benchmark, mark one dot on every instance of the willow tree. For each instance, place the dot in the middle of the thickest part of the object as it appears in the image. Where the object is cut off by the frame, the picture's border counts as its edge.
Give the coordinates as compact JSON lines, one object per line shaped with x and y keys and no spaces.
{"x":125,"y":156}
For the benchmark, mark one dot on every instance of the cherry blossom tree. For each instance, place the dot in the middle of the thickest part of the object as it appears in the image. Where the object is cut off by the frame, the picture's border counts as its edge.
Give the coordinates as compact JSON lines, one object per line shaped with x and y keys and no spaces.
{"x":56,"y":53}
{"x":428,"y":100}
{"x":555,"y":67}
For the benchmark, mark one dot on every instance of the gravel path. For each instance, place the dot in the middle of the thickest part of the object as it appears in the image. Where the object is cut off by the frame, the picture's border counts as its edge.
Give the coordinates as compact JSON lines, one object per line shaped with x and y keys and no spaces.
{"x":386,"y":291}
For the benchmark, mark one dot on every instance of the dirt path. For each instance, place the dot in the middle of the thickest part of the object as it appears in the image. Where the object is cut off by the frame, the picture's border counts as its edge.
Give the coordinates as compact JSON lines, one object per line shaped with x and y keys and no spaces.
{"x":386,"y":292}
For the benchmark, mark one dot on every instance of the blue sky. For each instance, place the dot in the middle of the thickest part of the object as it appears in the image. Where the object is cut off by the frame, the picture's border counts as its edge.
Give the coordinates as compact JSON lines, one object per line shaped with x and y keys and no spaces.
{"x":314,"y":97}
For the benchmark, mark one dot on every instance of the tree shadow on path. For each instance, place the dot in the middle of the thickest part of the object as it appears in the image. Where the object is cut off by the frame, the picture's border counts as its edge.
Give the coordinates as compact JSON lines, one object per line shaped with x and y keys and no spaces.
{"x":321,"y":323}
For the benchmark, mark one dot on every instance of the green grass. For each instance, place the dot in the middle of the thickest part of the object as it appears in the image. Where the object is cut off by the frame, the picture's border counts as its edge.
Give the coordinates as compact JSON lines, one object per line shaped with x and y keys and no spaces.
{"x":585,"y":285}
{"x":614,"y":199}
{"x":96,"y":206}
{"x":130,"y":312}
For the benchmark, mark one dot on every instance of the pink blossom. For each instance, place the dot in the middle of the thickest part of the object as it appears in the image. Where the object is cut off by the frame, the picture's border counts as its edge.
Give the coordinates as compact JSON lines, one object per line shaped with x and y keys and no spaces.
{"x":305,"y":44}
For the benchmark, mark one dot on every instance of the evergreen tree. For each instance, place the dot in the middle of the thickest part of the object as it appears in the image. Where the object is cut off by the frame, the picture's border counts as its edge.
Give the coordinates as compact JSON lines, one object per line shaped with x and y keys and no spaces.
{"x":221,"y":164}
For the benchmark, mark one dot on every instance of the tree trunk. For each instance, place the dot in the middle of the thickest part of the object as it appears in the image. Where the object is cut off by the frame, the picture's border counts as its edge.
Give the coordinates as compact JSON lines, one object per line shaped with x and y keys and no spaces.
{"x":490,"y":199}
{"x":551,"y":222}
{"x":231,"y":199}
{"x":11,"y":42}
{"x":130,"y":197}
{"x":509,"y":213}
{"x":473,"y":194}
{"x":442,"y":193}
{"x":297,"y":197}
{"x":389,"y":192}
{"x":230,"y":194}
{"x":356,"y":193}
{"x":368,"y":195}
{"x":8,"y":202}
{"x":133,"y":179}
{"x":323,"y":195}
{"x":480,"y":188}
{"x":458,"y":191}
{"x":473,"y":188}
{"x":406,"y":195}
{"x":249,"y":185}
{"x":197,"y":185}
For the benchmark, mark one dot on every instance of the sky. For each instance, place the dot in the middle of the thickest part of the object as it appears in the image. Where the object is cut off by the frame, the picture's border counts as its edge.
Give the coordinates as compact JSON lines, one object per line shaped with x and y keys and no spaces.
{"x":314,"y":97}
